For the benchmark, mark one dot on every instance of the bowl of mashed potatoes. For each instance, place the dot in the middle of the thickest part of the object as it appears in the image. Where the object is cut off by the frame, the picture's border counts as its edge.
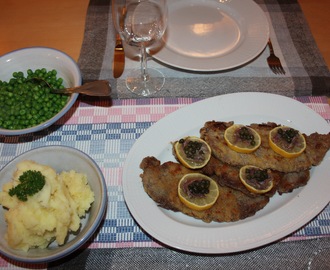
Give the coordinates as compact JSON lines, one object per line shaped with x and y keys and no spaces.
{"x":53,"y":199}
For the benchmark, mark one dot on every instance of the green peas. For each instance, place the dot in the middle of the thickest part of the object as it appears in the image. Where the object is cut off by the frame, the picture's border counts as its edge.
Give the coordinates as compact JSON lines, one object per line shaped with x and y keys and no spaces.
{"x":26,"y":103}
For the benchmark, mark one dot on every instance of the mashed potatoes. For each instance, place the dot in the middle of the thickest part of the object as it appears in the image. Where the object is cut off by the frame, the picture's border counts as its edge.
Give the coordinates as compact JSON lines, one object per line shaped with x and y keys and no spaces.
{"x":51,"y":213}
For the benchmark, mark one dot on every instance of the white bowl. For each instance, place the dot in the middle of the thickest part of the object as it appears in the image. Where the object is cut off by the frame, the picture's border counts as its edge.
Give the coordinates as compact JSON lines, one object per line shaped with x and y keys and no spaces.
{"x":61,"y":158}
{"x":35,"y":58}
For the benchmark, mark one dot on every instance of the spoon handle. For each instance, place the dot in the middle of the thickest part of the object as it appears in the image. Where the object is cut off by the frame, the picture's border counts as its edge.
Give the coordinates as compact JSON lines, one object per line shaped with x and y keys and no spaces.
{"x":95,"y":88}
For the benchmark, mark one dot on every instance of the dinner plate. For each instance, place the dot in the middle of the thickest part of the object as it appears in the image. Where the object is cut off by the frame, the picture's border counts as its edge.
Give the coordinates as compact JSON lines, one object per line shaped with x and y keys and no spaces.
{"x":282,"y":215}
{"x":209,"y":35}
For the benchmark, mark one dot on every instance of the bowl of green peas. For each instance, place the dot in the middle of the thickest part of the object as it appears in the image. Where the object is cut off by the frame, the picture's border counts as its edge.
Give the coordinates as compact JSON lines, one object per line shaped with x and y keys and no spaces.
{"x":27,"y":104}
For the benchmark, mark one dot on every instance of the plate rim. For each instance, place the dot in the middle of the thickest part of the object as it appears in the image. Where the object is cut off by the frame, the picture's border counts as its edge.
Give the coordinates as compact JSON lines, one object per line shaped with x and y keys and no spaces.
{"x":222,"y":247}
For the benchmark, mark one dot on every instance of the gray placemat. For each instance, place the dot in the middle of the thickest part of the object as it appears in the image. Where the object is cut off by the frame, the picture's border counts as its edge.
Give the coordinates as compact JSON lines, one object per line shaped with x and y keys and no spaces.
{"x":307,"y":255}
{"x":306,"y":70}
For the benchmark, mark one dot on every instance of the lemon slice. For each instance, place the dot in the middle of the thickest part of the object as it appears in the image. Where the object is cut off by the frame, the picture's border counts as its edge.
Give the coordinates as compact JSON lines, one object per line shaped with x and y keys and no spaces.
{"x":198,"y":191}
{"x":286,"y":141}
{"x":242,"y":139}
{"x":192,"y":152}
{"x":255,"y":179}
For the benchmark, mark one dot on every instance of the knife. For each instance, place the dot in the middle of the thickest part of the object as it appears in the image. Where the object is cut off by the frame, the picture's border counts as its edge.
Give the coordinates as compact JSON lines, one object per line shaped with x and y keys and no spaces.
{"x":118,"y":58}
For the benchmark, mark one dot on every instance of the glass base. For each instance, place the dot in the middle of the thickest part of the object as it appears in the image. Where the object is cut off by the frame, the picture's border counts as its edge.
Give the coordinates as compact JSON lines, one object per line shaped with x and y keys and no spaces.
{"x":138,"y":86}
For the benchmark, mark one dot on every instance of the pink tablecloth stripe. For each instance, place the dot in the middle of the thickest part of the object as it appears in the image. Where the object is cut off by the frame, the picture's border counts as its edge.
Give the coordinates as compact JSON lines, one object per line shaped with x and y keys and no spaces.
{"x":152,"y":110}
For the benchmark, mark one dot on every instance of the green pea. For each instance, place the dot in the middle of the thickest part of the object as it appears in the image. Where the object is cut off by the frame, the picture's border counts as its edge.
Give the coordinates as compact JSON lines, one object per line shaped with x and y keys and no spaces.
{"x":24,"y":103}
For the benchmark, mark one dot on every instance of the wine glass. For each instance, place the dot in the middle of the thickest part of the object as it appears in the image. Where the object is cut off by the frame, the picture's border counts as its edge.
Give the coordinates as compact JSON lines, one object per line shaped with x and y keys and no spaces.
{"x":140,"y":23}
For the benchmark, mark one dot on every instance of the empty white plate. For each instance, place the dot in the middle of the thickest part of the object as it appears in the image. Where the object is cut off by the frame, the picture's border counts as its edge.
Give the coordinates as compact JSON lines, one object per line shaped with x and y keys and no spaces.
{"x":210,"y":35}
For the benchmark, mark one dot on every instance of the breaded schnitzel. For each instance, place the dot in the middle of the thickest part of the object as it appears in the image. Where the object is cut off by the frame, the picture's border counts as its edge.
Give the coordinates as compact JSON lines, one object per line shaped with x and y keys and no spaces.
{"x":264,"y":157}
{"x":227,"y":175}
{"x":160,"y":182}
{"x":235,"y":202}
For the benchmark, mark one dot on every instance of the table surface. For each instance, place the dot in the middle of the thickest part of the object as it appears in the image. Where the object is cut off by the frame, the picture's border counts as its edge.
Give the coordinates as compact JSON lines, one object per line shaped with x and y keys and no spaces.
{"x":60,"y":24}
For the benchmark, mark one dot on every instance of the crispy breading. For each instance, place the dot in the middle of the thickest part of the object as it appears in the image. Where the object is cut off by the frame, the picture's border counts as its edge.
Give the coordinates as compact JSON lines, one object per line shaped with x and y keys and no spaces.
{"x":160,"y":181}
{"x":293,"y":180}
{"x":227,"y":175}
{"x":264,"y":157}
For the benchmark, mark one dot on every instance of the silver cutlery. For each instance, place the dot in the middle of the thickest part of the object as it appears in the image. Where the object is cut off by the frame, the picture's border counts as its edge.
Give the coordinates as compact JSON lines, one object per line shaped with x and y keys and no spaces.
{"x":273,"y":61}
{"x":118,"y":63}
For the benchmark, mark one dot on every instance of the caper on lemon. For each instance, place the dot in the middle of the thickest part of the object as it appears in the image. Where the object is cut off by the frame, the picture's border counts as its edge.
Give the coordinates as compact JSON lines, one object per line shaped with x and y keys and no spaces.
{"x":255,"y":179}
{"x":287,"y":142}
{"x":242,"y":139}
{"x":192,"y":152}
{"x":198,"y":191}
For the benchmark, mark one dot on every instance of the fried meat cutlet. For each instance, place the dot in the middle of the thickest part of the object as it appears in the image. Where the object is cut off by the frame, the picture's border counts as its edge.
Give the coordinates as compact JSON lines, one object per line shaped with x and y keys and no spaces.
{"x":227,"y":175}
{"x":291,"y":181}
{"x":160,"y":181}
{"x":264,"y":157}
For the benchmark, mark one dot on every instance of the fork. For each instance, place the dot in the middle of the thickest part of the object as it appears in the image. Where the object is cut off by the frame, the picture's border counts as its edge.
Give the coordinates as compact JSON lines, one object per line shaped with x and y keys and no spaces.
{"x":273,"y":61}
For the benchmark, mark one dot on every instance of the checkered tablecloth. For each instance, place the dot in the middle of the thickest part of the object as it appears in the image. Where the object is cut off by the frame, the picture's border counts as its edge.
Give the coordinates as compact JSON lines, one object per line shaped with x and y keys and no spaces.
{"x":106,"y":130}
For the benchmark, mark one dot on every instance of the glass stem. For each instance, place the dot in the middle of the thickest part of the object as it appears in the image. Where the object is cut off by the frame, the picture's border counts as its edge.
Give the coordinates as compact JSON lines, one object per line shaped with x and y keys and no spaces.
{"x":144,"y":72}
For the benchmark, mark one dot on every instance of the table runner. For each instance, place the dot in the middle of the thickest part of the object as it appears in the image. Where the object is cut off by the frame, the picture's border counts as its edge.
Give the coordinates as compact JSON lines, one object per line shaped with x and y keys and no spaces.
{"x":306,"y":70}
{"x":106,"y":129}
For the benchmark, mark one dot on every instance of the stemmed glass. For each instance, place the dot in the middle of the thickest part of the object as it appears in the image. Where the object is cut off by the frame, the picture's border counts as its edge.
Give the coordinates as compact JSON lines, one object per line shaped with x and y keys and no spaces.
{"x":140,"y":23}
